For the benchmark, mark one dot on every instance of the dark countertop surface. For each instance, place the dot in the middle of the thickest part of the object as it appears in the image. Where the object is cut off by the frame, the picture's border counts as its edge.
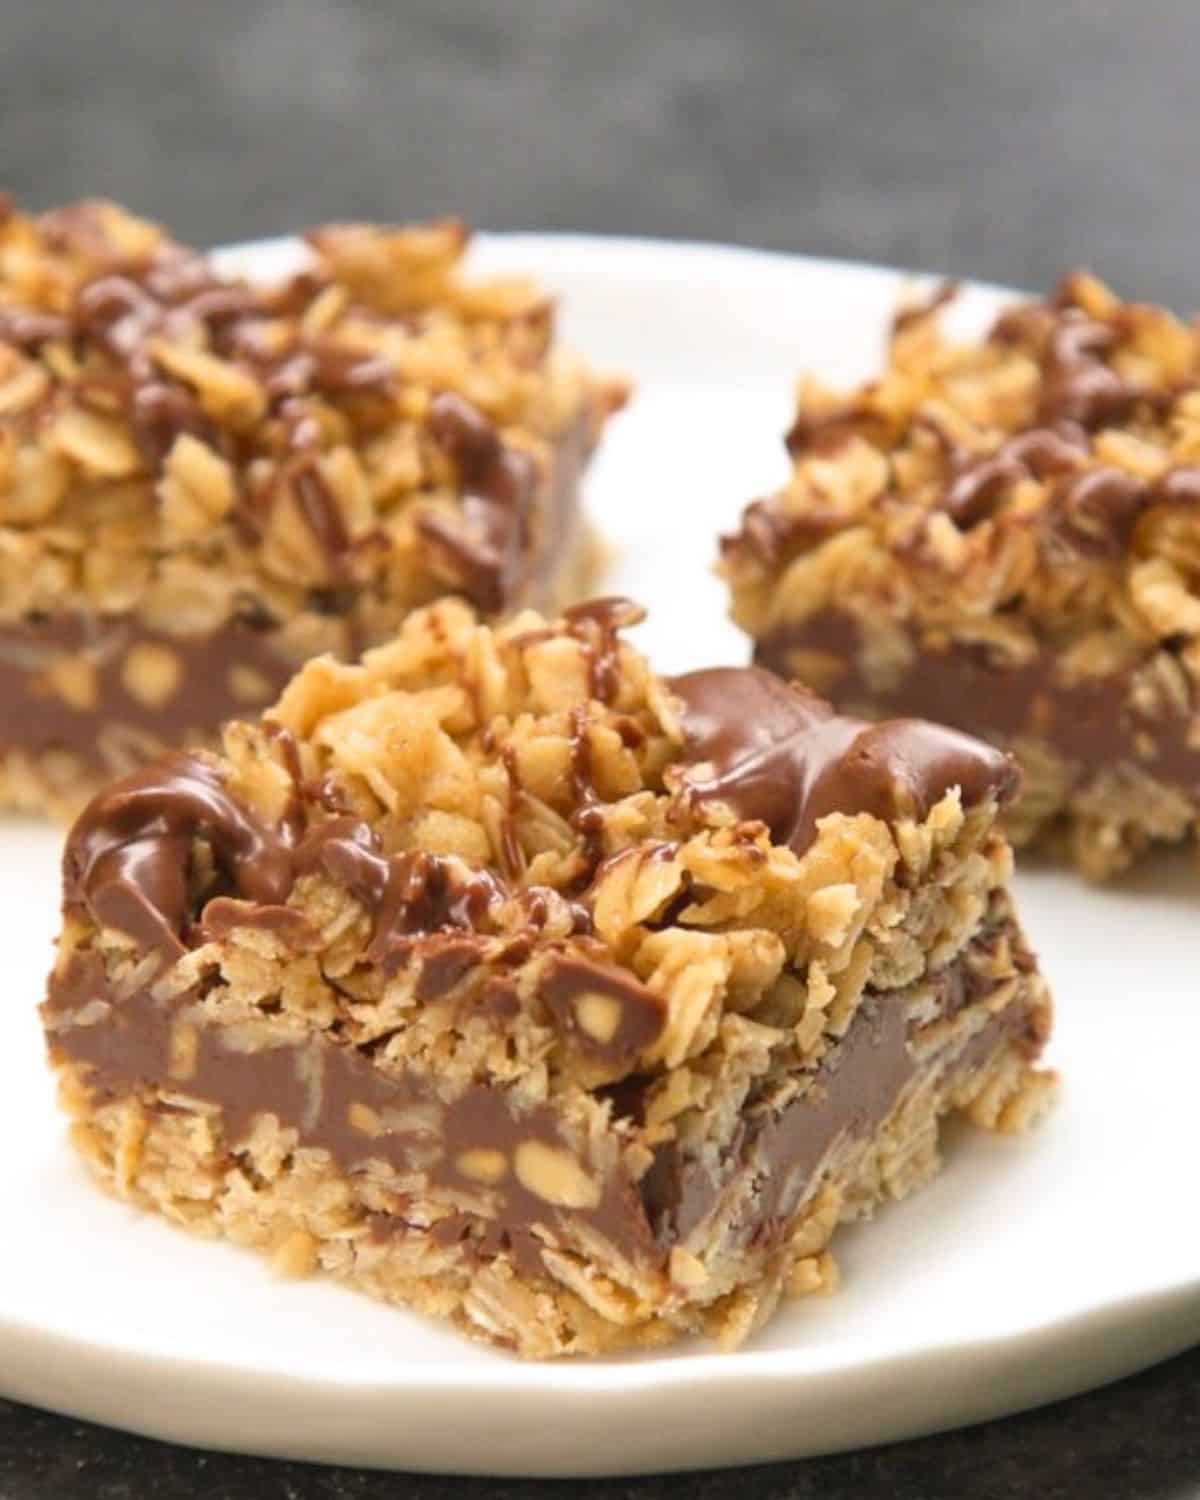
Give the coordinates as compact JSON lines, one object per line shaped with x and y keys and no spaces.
{"x":1005,"y":141}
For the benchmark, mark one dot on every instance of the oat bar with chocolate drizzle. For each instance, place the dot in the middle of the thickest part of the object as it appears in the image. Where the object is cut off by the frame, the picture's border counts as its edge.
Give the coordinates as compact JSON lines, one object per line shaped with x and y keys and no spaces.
{"x":204,"y":481}
{"x":499,"y":977}
{"x":1005,"y":536}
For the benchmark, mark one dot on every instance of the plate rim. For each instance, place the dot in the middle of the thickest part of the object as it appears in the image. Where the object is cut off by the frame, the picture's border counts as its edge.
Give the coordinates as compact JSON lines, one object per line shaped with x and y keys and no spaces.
{"x":698,"y":249}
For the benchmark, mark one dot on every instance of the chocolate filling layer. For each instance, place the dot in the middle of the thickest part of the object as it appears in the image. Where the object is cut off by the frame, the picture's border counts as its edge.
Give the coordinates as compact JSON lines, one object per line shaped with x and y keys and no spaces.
{"x":1091,"y":723}
{"x":65,"y":684}
{"x":336,"y":1099}
{"x":340,"y":1101}
{"x":853,"y":1092}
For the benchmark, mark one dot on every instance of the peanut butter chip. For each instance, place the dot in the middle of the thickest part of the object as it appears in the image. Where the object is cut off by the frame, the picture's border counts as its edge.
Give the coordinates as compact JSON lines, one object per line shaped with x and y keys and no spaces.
{"x":296,"y":1256}
{"x":607,"y":1008}
{"x":364,"y":1119}
{"x":185,"y":1044}
{"x":686,"y":1269}
{"x":249,"y":686}
{"x":598,"y":1015}
{"x":555,"y":1175}
{"x":75,"y":680}
{"x":152,"y":673}
{"x":482,"y":1164}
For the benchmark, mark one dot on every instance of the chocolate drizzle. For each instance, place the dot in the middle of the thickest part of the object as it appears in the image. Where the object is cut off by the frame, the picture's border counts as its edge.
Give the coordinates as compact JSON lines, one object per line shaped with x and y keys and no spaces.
{"x":323,"y":517}
{"x":973,"y":493}
{"x":587,"y":818}
{"x":512,"y":859}
{"x":776,"y":754}
{"x":1074,"y":349}
{"x":408,"y":894}
{"x":827,"y":431}
{"x":319,"y":366}
{"x":1091,"y":511}
{"x":116,"y":729}
{"x":596,"y":624}
{"x":28,"y":330}
{"x":126,"y":313}
{"x":1094,"y":512}
{"x":224,"y":915}
{"x":1179,"y":486}
{"x":128,"y":305}
{"x":127,"y":857}
{"x":129,"y":863}
{"x":1047,"y":451}
{"x":174,"y":295}
{"x":1076,"y":383}
{"x":773,"y":535}
{"x":486,"y":550}
{"x":976,"y":486}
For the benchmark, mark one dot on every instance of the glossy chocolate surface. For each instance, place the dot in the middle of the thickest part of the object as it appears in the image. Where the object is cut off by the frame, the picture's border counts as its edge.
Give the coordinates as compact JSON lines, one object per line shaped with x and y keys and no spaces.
{"x":127,"y":859}
{"x":1092,"y":723}
{"x":778,"y":754}
{"x":127,"y":863}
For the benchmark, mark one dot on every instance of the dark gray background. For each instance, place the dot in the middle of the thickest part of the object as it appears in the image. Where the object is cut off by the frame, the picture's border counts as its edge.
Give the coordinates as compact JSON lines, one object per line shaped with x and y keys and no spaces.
{"x":1005,"y":139}
{"x":997,"y":138}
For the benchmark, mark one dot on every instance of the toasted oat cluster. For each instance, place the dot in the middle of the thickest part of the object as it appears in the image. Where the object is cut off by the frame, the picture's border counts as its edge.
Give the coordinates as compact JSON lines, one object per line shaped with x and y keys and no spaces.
{"x":499,"y":977}
{"x":1005,"y":535}
{"x":204,"y":481}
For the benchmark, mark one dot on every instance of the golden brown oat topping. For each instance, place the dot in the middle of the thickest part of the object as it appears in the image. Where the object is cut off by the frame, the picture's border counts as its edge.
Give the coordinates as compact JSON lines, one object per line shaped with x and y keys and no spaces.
{"x":1004,"y":535}
{"x":192,"y":447}
{"x":1044,"y":478}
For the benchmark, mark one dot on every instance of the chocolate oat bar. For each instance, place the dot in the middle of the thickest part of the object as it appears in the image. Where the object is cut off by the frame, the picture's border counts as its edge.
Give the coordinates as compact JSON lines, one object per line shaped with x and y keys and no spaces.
{"x":1005,"y":536}
{"x":204,"y":482}
{"x":499,"y":977}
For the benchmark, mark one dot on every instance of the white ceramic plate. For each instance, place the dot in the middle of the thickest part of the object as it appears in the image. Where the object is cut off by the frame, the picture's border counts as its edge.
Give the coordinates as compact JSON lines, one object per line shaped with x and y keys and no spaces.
{"x":1032,"y":1268}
